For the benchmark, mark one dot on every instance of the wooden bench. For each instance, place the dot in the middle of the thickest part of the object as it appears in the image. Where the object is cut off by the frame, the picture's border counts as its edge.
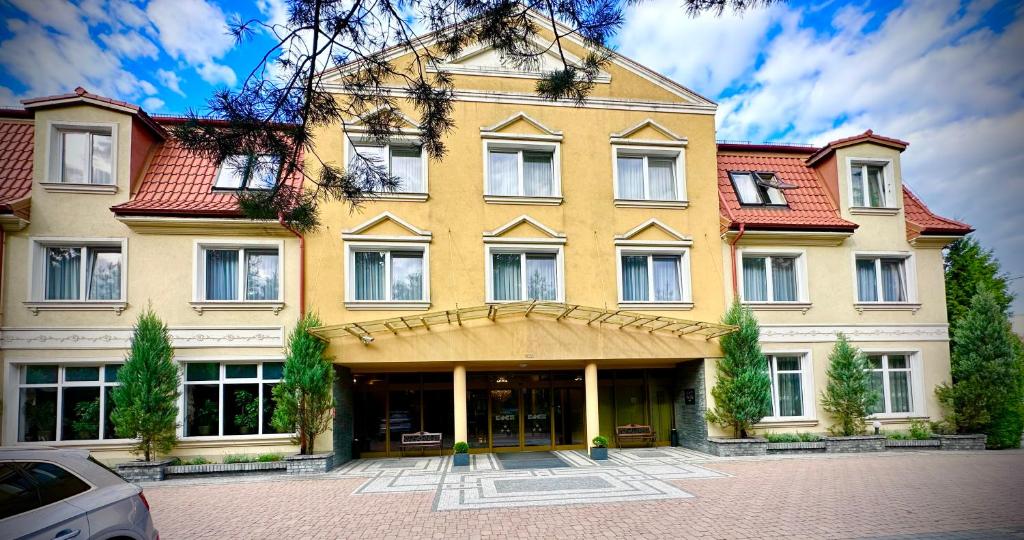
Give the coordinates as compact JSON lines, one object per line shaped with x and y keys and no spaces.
{"x":422,"y":440}
{"x":634,"y":433}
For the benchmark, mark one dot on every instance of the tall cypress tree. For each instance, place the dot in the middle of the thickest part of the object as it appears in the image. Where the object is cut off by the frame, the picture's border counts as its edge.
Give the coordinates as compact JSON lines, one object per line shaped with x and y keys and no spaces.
{"x":304,"y":397}
{"x":743,"y":390}
{"x":848,"y":395}
{"x":146,"y":401}
{"x":968,"y":266}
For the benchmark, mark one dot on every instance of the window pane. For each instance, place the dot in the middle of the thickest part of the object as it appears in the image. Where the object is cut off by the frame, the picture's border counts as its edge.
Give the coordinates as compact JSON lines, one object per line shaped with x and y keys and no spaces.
{"x":631,"y":177}
{"x":784,"y":286}
{"x":371,"y":155}
{"x":503,"y":173}
{"x":108,"y":423}
{"x":899,"y":391}
{"x":81,"y":373}
{"x":261,"y":281}
{"x":745,"y":189}
{"x":875,"y":362}
{"x":38,"y":414}
{"x":75,"y":157}
{"x":222,"y":274}
{"x":110,"y":372}
{"x":101,"y":159}
{"x":537,"y":174}
{"x":240,"y":371}
{"x":663,"y":181}
{"x":39,"y":374}
{"x":407,"y":166}
{"x":202,"y":371}
{"x":866,"y":283}
{"x":787,"y":363}
{"x":541,"y":278}
{"x":894,"y":283}
{"x":876,"y":191}
{"x":790,"y":395}
{"x":202,"y":409}
{"x":407,"y":275}
{"x":755,"y":279}
{"x":241,"y":409}
{"x":264,"y":172}
{"x":505,"y":268}
{"x":634,"y":278}
{"x":857,"y":179}
{"x":80,"y":417}
{"x":103,"y":281}
{"x":55,"y":483}
{"x":268,"y":405}
{"x":231,"y":173}
{"x":897,"y":361}
{"x":63,"y":273}
{"x":17,"y":493}
{"x":875,"y":382}
{"x":369,"y":275}
{"x":273,"y":370}
{"x":666,"y":279}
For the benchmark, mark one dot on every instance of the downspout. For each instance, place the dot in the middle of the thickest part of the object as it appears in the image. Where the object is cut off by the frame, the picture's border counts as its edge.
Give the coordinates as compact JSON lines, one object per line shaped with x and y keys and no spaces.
{"x":732,"y":247}
{"x":302,"y":264}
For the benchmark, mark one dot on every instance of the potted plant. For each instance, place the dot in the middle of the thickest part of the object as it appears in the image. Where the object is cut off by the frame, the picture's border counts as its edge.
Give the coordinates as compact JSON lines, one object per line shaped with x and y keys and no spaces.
{"x":206,"y":417}
{"x":87,"y":419}
{"x":599,"y":448}
{"x":249,"y":416}
{"x":461,"y":456}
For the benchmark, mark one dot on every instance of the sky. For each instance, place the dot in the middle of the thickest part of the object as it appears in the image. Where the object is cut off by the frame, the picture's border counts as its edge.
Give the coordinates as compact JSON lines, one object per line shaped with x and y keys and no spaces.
{"x":948,"y":77}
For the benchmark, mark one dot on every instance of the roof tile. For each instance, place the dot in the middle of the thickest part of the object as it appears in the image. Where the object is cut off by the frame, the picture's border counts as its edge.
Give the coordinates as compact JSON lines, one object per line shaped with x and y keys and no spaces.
{"x":16,"y":147}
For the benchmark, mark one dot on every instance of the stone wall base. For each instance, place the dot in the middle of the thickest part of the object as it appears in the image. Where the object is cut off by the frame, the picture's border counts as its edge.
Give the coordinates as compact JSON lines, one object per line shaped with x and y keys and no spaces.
{"x":961,"y":442}
{"x":912,"y":444}
{"x":309,"y":464}
{"x":796,"y":447}
{"x":856,"y":443}
{"x":737,"y":447}
{"x":143,"y":471}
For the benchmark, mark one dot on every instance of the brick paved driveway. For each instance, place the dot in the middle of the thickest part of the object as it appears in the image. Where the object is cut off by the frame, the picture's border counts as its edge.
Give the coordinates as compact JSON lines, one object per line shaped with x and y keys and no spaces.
{"x":816,"y":496}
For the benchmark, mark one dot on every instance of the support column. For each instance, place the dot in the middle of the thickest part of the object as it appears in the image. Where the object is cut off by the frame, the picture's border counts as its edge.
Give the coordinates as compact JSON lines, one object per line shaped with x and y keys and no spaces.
{"x":459,"y":395}
{"x":590,"y":385}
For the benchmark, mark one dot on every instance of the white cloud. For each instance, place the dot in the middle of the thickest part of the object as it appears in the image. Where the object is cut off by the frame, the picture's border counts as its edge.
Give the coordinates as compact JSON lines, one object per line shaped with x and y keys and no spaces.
{"x":195,"y":31}
{"x":152,"y":104}
{"x":170,"y":80}
{"x":130,"y":45}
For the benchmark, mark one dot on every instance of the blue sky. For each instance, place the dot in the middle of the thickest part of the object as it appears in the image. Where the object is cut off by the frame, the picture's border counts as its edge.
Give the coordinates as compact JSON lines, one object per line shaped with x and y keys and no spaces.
{"x":946,"y":76}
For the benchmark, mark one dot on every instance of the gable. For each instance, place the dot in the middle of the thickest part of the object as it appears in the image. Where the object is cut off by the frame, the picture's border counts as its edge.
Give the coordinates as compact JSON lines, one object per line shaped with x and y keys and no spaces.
{"x":405,"y":123}
{"x":521,"y":124}
{"x":648,"y":131}
{"x":483,"y":60}
{"x":525,"y":227}
{"x":653,"y":231}
{"x":386,"y":224}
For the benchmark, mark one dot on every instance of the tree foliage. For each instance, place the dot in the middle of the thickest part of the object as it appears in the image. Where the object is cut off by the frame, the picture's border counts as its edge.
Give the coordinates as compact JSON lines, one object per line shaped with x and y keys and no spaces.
{"x":848,"y":395}
{"x":304,"y":397}
{"x":285,"y":99}
{"x":968,"y":265}
{"x":987,"y":394}
{"x":146,"y":400}
{"x":743,"y":390}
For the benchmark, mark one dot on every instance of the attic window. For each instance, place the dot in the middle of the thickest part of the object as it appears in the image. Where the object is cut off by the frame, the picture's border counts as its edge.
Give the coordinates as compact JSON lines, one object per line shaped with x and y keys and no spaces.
{"x":759,"y":188}
{"x":248,"y":172}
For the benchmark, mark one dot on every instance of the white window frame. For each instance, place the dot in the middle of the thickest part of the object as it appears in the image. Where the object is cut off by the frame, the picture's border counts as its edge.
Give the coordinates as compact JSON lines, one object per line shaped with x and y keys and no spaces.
{"x":524,"y":249}
{"x":685,"y":288}
{"x":401,"y":141}
{"x":37,"y":274}
{"x":199,"y":301}
{"x":915,"y":367}
{"x":806,"y":386}
{"x":13,"y":395}
{"x":763,"y":192}
{"x":676,"y":153}
{"x":519,"y":146}
{"x":888,"y":183}
{"x":909,"y":269}
{"x":803,"y":289}
{"x":221,"y":381}
{"x":353,"y":246}
{"x":54,"y":177}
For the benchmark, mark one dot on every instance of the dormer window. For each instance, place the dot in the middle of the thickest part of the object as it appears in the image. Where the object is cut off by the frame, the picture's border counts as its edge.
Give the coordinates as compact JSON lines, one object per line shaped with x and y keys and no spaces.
{"x":248,"y":172}
{"x":758,"y":188}
{"x":870,"y":185}
{"x":85,"y":156}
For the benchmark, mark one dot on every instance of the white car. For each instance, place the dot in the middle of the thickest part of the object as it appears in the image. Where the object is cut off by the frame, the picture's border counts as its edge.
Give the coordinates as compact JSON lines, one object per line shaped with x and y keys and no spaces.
{"x":57,"y":494}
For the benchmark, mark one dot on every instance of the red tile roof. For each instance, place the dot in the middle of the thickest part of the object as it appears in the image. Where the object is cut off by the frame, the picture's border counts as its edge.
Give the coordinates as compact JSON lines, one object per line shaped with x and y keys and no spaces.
{"x":810,"y":206}
{"x":867,"y":136}
{"x":16,"y":146}
{"x":922,"y":221}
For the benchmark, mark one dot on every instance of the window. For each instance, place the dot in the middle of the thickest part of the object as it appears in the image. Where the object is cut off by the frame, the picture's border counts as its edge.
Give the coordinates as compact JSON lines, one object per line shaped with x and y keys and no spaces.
{"x":248,"y":172}
{"x":771,"y":278}
{"x":85,"y":156}
{"x":757,"y":188}
{"x":239,"y":274}
{"x":659,"y":276}
{"x":891,"y":378}
{"x":28,"y":485}
{"x":522,"y":171}
{"x":81,"y":272}
{"x":381,"y":275}
{"x":646,"y":177}
{"x":66,"y":402}
{"x":787,"y":376}
{"x":870,"y":185}
{"x":882,"y":279}
{"x":404,"y":162}
{"x":230,"y":399}
{"x":524,"y":275}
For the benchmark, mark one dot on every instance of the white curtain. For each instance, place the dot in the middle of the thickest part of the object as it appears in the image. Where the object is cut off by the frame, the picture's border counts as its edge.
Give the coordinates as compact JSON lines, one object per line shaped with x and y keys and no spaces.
{"x":876,"y":193}
{"x":103,"y":280}
{"x":745,"y":189}
{"x":631,"y":177}
{"x":75,"y":161}
{"x":755,"y":280}
{"x":899,"y":384}
{"x":369,"y":275}
{"x":894,"y":287}
{"x":634,"y":278}
{"x":866,"y":291}
{"x":101,"y":159}
{"x":503,"y":173}
{"x":221,"y":274}
{"x":784,"y":286}
{"x":789,"y":387}
{"x":857,"y":178}
{"x":666,"y":279}
{"x":541,"y":277}
{"x":261,"y":274}
{"x":663,"y":181}
{"x":63,"y":267}
{"x":506,"y":284}
{"x":537,"y":174}
{"x":407,"y":166}
{"x":407,"y":275}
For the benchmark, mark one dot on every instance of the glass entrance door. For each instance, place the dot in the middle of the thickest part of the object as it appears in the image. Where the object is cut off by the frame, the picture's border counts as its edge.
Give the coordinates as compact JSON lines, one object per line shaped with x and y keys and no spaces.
{"x":536,"y":417}
{"x":504,"y":418}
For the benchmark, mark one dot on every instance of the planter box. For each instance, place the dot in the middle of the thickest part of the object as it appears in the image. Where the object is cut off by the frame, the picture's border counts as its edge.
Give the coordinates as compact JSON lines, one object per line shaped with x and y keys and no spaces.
{"x":598,"y":454}
{"x":912,"y":444}
{"x":856,"y":443}
{"x":217,"y":468}
{"x":311,"y":464}
{"x":143,"y":471}
{"x":738,"y":447}
{"x":460,"y":460}
{"x":796,"y":447}
{"x":961,"y":442}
